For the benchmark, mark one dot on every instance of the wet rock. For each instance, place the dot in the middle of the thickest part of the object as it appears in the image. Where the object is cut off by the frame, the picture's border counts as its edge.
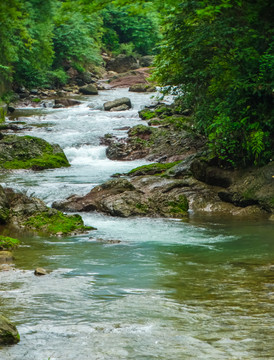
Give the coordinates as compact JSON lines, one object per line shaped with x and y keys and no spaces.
{"x":117,"y":103}
{"x":120,"y":108}
{"x":144,"y":196}
{"x":8,"y":332}
{"x":40,"y":272}
{"x":89,"y":89}
{"x":66,"y":102}
{"x":6,"y":257}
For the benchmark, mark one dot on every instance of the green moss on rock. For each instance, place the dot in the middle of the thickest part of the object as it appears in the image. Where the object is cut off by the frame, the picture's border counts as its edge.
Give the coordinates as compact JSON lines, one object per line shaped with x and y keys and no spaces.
{"x":152,"y":169}
{"x":8,"y":332}
{"x":179,"y":206}
{"x":56,"y":223}
{"x":8,"y":243}
{"x":28,"y":152}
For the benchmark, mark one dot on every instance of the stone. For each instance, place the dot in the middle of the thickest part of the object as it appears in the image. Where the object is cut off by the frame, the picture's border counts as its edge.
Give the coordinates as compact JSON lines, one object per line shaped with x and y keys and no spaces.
{"x":89,"y":89}
{"x":28,"y":152}
{"x":8,"y":332}
{"x":117,"y":103}
{"x":66,"y":102}
{"x":142,"y":88}
{"x":40,"y":272}
{"x":120,"y":108}
{"x":5,"y":257}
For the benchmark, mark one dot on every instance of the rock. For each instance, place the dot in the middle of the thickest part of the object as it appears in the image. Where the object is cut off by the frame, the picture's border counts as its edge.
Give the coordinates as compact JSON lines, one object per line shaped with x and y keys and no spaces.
{"x":40,"y":272}
{"x":89,"y":89}
{"x":66,"y":102}
{"x":8,"y":332}
{"x":142,"y":196}
{"x":122,"y":63}
{"x":120,"y":108}
{"x":211,"y":175}
{"x":146,"y":61}
{"x":11,"y":109}
{"x":5,"y":257}
{"x":117,"y":103}
{"x":27,"y":152}
{"x":142,"y":88}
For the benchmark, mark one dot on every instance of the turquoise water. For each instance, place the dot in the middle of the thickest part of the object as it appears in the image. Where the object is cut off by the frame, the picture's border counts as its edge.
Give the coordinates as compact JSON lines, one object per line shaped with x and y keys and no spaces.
{"x":163,"y":289}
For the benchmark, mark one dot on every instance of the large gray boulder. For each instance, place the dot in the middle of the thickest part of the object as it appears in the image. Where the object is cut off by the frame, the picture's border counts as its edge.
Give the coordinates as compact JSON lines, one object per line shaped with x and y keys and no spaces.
{"x":8,"y":332}
{"x":117,"y":103}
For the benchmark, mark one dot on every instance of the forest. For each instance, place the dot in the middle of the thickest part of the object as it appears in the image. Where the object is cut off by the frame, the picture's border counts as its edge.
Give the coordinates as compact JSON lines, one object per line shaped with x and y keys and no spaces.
{"x":215,"y":56}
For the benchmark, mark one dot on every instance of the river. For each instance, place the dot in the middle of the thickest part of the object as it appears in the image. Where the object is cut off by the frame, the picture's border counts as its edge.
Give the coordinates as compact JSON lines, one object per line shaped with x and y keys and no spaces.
{"x":170,"y":290}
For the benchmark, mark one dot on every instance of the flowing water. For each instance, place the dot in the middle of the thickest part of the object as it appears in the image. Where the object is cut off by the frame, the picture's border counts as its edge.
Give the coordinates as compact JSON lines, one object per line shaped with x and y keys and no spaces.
{"x":170,"y":290}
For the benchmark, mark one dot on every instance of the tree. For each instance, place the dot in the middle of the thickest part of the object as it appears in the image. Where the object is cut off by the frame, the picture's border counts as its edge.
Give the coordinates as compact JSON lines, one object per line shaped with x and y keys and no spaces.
{"x":219,"y":57}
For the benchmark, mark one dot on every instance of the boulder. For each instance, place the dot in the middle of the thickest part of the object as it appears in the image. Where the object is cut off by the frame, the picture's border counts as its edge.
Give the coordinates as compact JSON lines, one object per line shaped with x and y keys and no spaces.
{"x":143,"y":196}
{"x":142,"y":88}
{"x":28,"y":152}
{"x":89,"y":89}
{"x":122,"y":63}
{"x":5,"y":257}
{"x":8,"y":332}
{"x":40,"y":272}
{"x":66,"y":102}
{"x":117,"y":103}
{"x":120,"y":108}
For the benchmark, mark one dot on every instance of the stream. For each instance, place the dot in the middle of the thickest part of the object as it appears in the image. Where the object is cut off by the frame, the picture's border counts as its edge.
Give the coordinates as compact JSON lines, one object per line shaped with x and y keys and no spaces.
{"x":170,"y":290}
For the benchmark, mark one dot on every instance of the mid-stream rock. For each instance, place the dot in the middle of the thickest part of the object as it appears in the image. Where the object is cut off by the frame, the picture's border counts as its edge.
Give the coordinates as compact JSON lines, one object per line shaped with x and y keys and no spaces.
{"x":118,"y":104}
{"x":89,"y":89}
{"x":139,"y":197}
{"x":8,"y":332}
{"x":28,"y":152}
{"x":32,"y":214}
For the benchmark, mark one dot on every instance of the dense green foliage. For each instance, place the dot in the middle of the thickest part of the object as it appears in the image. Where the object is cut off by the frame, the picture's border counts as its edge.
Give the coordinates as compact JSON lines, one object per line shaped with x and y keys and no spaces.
{"x":41,"y":40}
{"x":218,"y":55}
{"x":127,"y":32}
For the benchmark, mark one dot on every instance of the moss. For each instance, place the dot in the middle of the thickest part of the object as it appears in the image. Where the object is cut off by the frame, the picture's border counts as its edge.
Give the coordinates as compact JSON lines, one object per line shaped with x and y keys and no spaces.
{"x":8,"y":243}
{"x":36,"y":100}
{"x":56,"y":223}
{"x":47,"y":161}
{"x":4,"y":215}
{"x":142,"y":207}
{"x":139,"y":130}
{"x":28,"y":152}
{"x":152,"y":169}
{"x":147,"y":114}
{"x":180,"y":206}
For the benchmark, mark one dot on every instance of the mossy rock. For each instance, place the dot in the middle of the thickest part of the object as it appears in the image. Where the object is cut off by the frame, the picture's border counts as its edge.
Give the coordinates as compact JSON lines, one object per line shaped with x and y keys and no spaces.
{"x":179,"y":206}
{"x":28,"y":152}
{"x":8,"y":332}
{"x":56,"y":223}
{"x":147,"y":114}
{"x":8,"y":243}
{"x":152,"y":169}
